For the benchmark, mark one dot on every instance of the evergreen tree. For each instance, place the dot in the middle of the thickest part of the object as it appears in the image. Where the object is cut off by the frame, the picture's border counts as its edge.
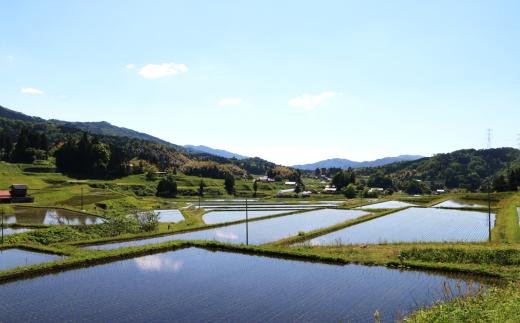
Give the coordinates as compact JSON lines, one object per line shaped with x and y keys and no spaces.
{"x":201,"y":187}
{"x":43,"y":143}
{"x":18,"y":155}
{"x":513,"y":184}
{"x":229,"y":183}
{"x":167,"y":187}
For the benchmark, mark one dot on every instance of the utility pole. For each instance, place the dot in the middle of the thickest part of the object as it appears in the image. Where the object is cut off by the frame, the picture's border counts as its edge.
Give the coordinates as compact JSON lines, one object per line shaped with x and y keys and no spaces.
{"x":247,"y":228}
{"x":489,"y":139}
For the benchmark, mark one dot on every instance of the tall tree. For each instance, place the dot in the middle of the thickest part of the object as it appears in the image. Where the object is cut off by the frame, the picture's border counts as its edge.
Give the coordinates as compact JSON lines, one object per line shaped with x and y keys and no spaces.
{"x":229,"y":184}
{"x":255,"y":187}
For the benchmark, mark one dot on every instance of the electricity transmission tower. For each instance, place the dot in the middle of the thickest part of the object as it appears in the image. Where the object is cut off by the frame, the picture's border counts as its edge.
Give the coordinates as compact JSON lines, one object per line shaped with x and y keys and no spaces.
{"x":489,"y":139}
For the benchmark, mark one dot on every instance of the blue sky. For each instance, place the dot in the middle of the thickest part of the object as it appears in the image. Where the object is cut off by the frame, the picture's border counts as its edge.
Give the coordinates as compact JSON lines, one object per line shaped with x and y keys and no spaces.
{"x":289,"y":81}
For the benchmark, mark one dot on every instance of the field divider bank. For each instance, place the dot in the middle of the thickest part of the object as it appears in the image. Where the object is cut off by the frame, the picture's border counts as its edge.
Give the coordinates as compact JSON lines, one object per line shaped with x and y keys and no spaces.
{"x":320,"y":232}
{"x":507,"y":227}
{"x":83,"y":259}
{"x":439,"y":201}
{"x":194,"y":229}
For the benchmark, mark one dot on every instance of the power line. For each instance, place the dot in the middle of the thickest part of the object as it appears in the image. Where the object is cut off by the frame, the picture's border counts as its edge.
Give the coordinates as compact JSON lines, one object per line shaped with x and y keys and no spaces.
{"x":489,"y":139}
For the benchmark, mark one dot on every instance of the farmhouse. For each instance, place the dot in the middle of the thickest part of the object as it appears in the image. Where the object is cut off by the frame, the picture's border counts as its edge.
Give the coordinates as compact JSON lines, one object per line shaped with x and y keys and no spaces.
{"x":330,"y":189}
{"x":291,"y":183}
{"x":17,"y":194}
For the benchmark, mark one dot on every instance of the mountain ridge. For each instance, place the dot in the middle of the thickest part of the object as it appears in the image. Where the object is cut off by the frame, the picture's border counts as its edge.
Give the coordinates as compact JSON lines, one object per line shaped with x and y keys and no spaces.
{"x":346,"y":163}
{"x":217,"y":152}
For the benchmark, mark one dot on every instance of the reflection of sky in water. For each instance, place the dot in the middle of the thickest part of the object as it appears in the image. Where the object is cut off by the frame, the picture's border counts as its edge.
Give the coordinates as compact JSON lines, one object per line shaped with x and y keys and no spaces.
{"x":196,"y":285}
{"x":228,"y":216}
{"x":414,"y":224}
{"x":12,"y":258}
{"x":45,"y":216}
{"x":386,"y":205}
{"x":262,"y":231}
{"x":170,"y":216}
{"x":8,"y":231}
{"x":455,"y":203}
{"x":158,"y":263}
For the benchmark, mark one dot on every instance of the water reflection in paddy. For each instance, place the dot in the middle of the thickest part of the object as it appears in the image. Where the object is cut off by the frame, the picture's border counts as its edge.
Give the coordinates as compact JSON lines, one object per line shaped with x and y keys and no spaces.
{"x":174,"y":215}
{"x":262,"y":231}
{"x":48,"y":216}
{"x":8,"y":231}
{"x":196,"y":285}
{"x":456,"y":203}
{"x":228,"y":216}
{"x":12,"y":258}
{"x":414,"y":224}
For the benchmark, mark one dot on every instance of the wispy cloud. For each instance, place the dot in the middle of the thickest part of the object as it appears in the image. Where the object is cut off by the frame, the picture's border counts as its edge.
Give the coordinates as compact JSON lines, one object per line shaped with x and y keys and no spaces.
{"x":155,"y":71}
{"x":230,"y":101}
{"x":249,"y":107}
{"x":31,"y":90}
{"x":130,"y":66}
{"x":10,"y":58}
{"x":306,"y":101}
{"x":63,"y":96}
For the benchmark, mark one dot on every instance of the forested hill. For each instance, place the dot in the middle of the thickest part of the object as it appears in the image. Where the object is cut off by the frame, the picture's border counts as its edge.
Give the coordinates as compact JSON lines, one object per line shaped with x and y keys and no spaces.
{"x":43,"y":138}
{"x":467,"y":168}
{"x":101,"y":128}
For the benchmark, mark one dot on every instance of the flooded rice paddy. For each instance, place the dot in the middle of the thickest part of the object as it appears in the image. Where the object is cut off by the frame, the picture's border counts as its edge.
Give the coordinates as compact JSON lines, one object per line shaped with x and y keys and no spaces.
{"x":260,"y":232}
{"x":12,"y":258}
{"x":228,"y":216}
{"x":197,"y":285}
{"x":386,"y":205}
{"x":456,"y":203}
{"x":414,"y":224}
{"x":170,"y":216}
{"x":8,"y":231}
{"x":48,"y":216}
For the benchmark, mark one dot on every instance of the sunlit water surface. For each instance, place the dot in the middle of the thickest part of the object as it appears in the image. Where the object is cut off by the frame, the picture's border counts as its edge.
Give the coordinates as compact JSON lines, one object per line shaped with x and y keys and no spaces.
{"x":196,"y":285}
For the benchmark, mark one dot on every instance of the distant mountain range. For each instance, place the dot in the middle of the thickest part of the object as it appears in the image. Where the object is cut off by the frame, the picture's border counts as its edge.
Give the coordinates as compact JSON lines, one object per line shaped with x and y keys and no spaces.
{"x":345,"y":163}
{"x":218,"y":152}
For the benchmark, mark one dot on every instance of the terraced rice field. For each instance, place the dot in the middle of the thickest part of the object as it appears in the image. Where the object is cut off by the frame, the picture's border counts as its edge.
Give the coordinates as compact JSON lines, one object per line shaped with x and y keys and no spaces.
{"x":47,"y":216}
{"x":414,"y":224}
{"x":228,"y":216}
{"x":12,"y":258}
{"x":386,"y":205}
{"x":260,"y":232}
{"x":196,"y":285}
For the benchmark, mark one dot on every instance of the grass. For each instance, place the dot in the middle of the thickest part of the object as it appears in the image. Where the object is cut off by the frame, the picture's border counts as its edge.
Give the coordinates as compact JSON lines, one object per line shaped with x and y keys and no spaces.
{"x":507,"y":223}
{"x":493,"y":305}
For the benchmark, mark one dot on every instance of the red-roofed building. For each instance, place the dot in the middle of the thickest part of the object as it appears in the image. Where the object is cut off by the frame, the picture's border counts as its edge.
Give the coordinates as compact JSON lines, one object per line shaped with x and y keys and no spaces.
{"x":17,"y":194}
